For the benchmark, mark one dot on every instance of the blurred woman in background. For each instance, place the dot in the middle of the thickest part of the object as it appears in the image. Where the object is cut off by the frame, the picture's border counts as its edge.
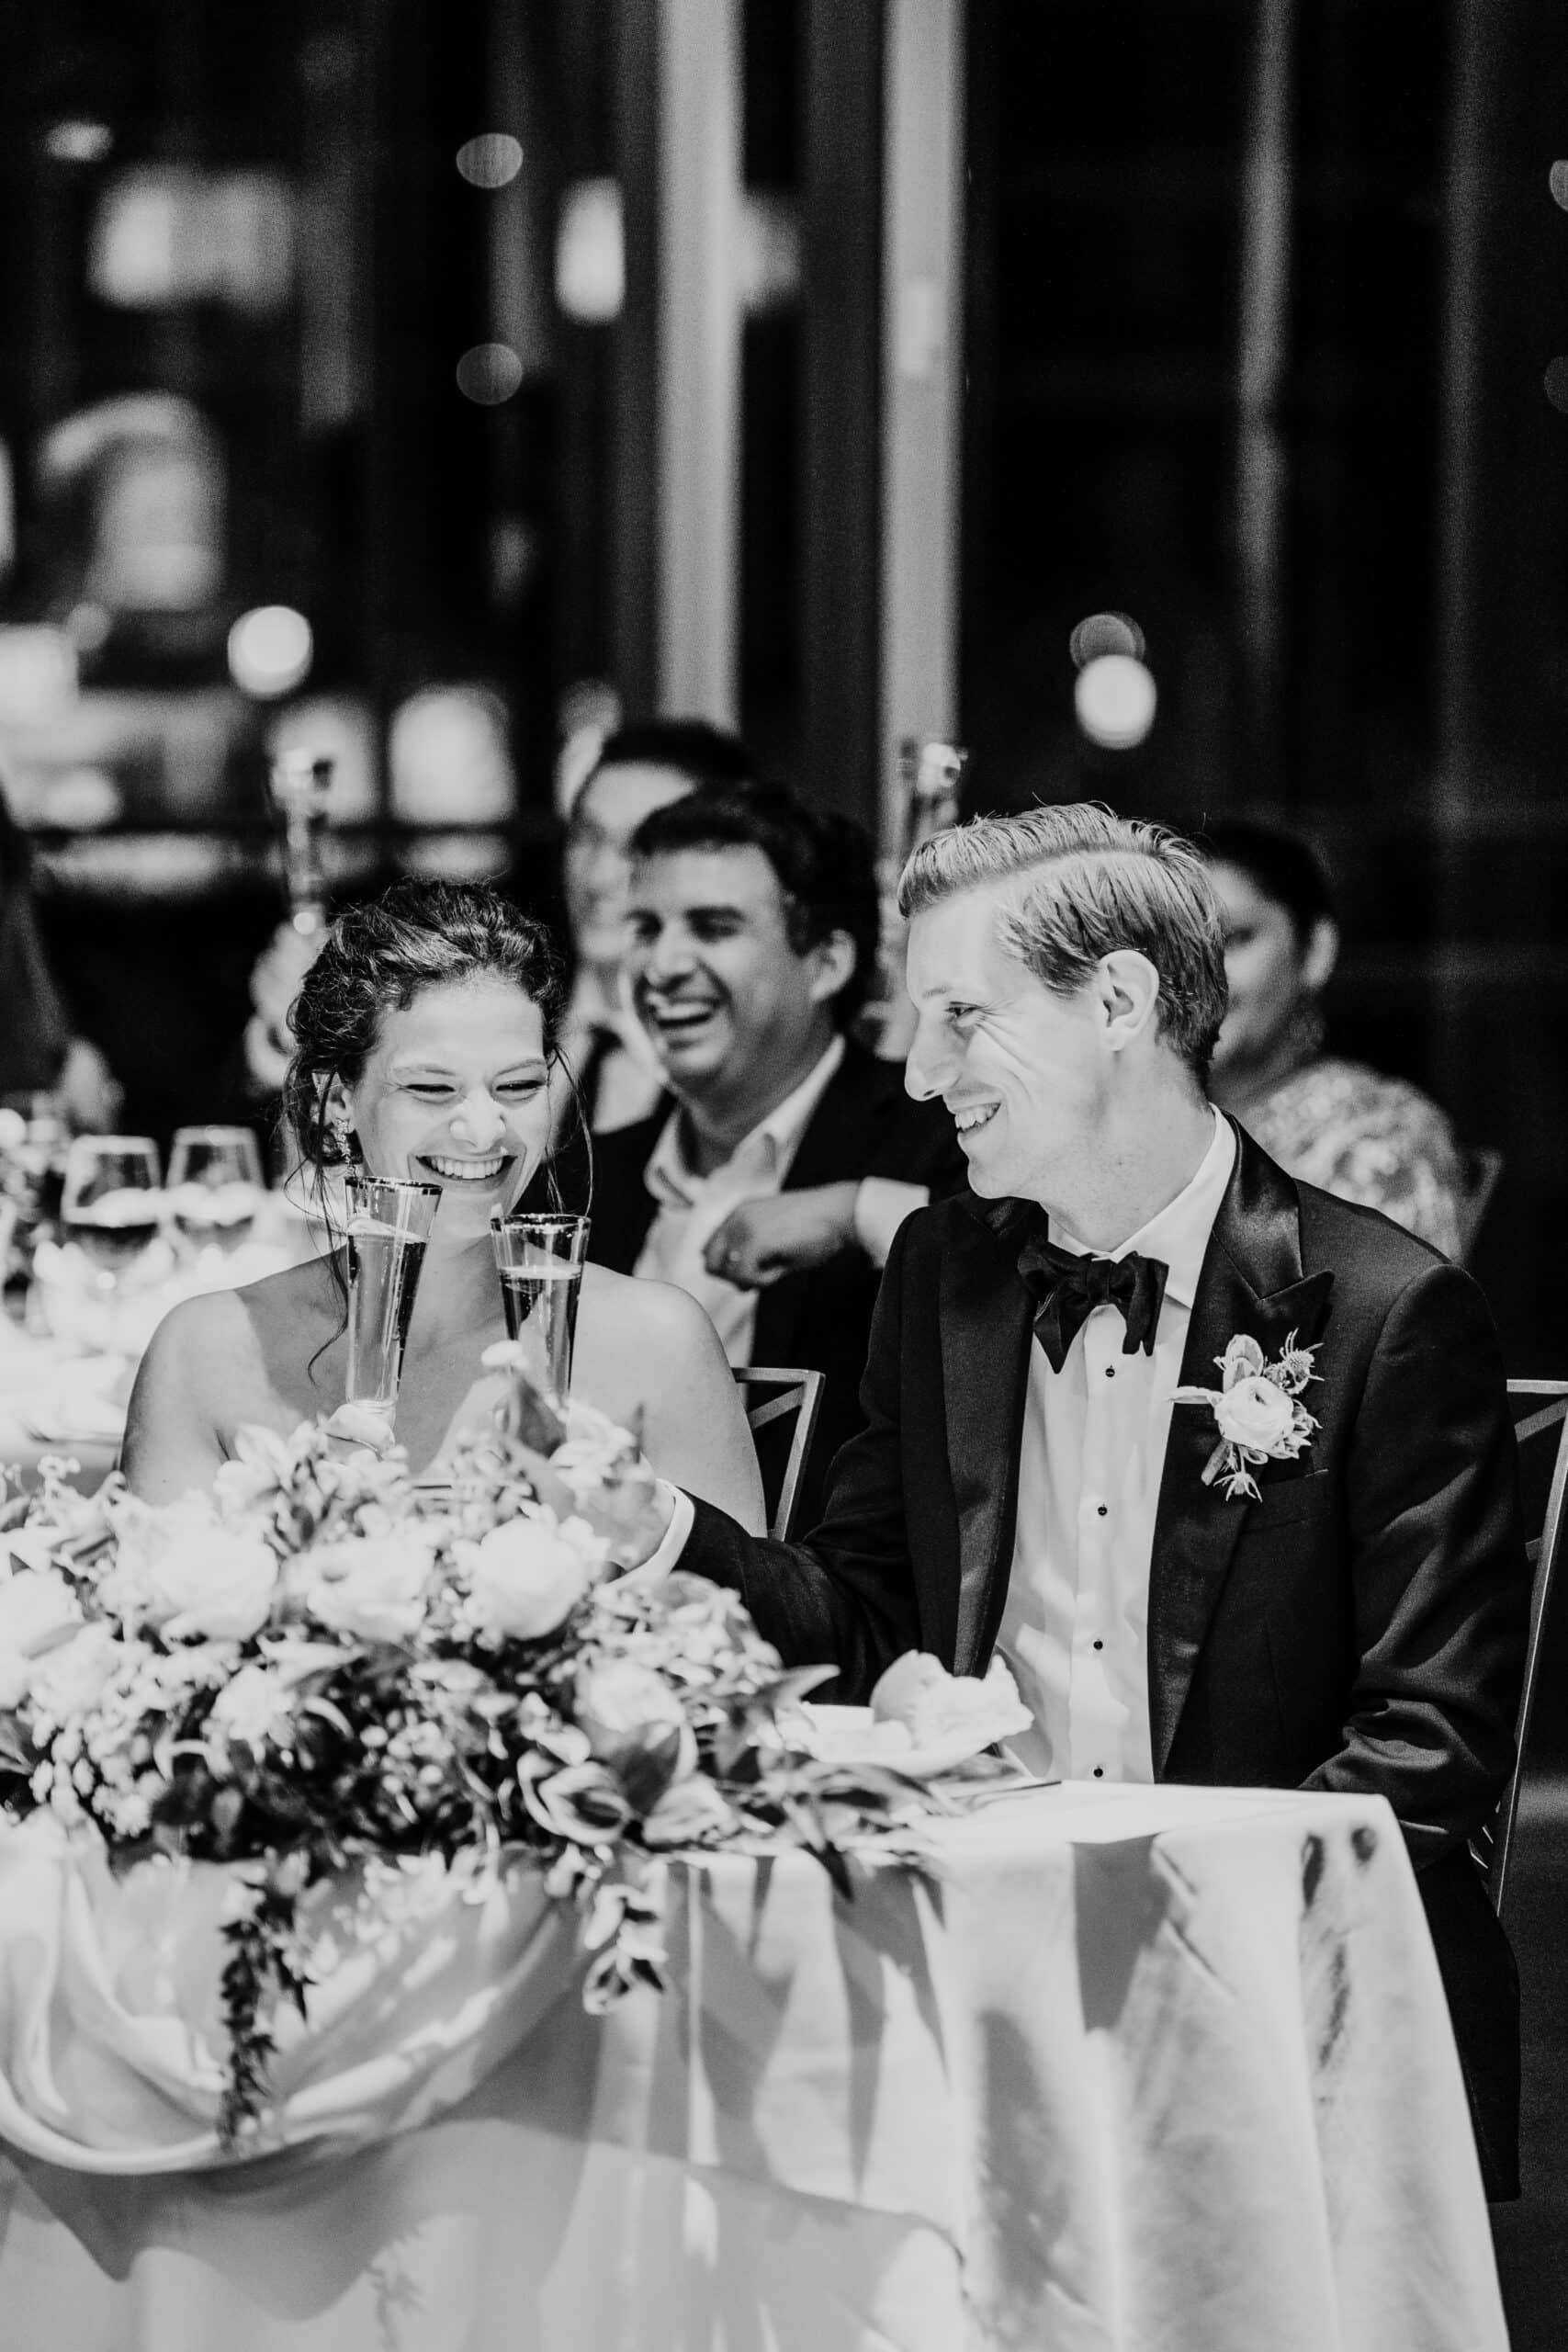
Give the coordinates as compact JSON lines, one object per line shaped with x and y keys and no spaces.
{"x":1335,"y":1123}
{"x":39,"y":1053}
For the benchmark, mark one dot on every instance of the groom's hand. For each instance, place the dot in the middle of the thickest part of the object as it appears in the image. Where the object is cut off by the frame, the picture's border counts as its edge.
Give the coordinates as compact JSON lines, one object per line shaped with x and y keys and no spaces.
{"x":613,"y":1484}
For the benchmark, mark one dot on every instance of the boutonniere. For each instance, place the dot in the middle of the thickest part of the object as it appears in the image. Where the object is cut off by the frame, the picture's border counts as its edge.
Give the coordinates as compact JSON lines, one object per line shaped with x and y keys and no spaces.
{"x":1257,"y":1412}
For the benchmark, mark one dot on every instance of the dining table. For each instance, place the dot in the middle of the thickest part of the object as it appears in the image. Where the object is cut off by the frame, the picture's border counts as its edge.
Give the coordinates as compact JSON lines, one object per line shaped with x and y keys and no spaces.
{"x":1113,"y":2068}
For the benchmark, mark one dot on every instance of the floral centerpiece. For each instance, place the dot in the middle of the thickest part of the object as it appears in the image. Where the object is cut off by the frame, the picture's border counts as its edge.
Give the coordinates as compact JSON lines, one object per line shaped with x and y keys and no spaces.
{"x":321,"y":1667}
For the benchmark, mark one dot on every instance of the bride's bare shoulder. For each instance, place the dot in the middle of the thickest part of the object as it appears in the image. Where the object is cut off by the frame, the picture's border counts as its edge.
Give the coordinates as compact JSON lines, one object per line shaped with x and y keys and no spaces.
{"x":630,"y":1311}
{"x":228,"y":1340}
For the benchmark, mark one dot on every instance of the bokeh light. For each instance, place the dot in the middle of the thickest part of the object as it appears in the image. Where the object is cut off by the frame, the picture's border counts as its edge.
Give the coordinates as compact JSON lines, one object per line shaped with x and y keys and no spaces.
{"x":78,"y":140}
{"x":489,"y":373}
{"x":447,"y":758}
{"x":590,"y":257}
{"x":1557,"y":179}
{"x":270,"y":650}
{"x":491,"y":160}
{"x":1104,"y":633}
{"x":1556,"y":382}
{"x":1116,"y":700}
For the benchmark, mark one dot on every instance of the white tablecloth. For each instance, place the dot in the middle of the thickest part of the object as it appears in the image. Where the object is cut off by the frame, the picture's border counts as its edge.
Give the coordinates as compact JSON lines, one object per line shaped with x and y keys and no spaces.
{"x":1158,"y":2070}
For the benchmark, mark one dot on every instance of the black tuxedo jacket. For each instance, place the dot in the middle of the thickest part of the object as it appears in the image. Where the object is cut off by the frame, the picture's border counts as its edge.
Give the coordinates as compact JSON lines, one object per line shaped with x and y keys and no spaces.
{"x":1360,"y":1627}
{"x":864,"y":1124}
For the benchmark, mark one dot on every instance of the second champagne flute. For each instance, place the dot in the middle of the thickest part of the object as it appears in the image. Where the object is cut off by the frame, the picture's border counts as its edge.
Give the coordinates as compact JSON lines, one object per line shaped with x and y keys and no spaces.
{"x":539,"y":1261}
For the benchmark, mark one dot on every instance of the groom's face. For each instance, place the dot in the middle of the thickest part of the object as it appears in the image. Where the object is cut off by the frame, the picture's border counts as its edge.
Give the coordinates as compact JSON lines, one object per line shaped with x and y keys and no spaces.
{"x":1023,"y":1070}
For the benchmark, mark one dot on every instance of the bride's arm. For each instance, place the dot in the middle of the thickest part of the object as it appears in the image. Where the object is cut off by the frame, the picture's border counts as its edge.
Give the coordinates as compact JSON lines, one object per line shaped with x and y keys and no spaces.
{"x":172,"y":1441}
{"x":694,"y":1429}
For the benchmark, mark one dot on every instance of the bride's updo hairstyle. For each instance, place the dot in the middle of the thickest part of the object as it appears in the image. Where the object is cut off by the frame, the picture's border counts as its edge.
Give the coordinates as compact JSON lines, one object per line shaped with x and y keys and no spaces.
{"x":375,"y":961}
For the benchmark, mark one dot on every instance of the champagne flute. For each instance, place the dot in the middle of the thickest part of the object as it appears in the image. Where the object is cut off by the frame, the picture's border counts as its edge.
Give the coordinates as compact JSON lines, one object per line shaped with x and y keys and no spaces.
{"x":215,"y":1187}
{"x":389,"y":1225}
{"x":539,"y":1261}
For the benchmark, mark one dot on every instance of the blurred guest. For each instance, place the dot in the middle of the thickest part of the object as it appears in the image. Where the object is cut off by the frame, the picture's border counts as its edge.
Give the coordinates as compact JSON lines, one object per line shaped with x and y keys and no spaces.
{"x":772,"y":1184}
{"x":640,"y":769}
{"x":1334,"y":1123}
{"x":40,"y":1053}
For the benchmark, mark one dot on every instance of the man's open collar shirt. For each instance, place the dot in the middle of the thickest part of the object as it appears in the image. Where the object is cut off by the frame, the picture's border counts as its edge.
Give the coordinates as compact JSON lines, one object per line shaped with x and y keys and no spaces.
{"x":691,"y":1208}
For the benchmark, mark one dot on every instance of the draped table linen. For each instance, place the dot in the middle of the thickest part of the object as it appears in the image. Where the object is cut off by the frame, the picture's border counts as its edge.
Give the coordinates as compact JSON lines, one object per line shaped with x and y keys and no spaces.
{"x":1131,"y":2070}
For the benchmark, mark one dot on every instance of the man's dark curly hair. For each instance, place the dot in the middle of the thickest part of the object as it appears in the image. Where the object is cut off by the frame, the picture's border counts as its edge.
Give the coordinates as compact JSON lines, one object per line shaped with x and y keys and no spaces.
{"x":823,"y":861}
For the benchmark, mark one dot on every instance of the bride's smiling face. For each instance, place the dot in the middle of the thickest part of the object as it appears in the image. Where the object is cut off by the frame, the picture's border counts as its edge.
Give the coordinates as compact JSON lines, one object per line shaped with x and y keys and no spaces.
{"x":456,"y":1093}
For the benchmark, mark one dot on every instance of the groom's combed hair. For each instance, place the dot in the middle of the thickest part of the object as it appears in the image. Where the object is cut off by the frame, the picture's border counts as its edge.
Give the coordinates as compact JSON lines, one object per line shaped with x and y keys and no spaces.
{"x":1095,"y":882}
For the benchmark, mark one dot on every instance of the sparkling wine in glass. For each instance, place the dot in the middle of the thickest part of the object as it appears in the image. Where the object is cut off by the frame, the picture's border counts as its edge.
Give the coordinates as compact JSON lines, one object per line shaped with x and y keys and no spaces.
{"x":110,"y":1205}
{"x":215,"y":1187}
{"x":389,"y":1225}
{"x":539,"y":1261}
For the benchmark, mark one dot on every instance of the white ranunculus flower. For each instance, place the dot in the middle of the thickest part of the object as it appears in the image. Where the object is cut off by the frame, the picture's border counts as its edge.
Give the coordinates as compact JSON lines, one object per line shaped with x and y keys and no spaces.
{"x":375,"y":1589}
{"x":1254,"y":1413}
{"x":73,"y":1677}
{"x":526,"y":1576}
{"x":210,"y":1582}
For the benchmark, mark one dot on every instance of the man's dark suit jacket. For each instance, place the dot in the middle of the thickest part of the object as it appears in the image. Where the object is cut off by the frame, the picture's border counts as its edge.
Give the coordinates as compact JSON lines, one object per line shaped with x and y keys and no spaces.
{"x":864,"y":1124}
{"x":1360,"y":1627}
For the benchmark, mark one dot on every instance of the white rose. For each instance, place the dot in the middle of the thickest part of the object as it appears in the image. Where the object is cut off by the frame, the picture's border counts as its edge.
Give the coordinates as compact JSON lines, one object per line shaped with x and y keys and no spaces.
{"x":37,"y":1609}
{"x":73,"y":1679}
{"x":210,"y":1582}
{"x":525,"y":1578}
{"x":375,"y":1589}
{"x":619,"y":1705}
{"x":1254,"y":1413}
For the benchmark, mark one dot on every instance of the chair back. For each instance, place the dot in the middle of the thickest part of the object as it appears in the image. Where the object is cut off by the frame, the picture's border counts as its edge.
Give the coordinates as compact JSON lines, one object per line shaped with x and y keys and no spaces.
{"x":1483,"y":1173}
{"x":780,"y":1409}
{"x":1545,"y":1466}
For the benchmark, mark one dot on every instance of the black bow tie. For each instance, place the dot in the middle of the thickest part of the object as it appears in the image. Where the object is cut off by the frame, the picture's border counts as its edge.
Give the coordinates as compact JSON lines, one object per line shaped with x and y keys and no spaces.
{"x":1067,"y":1288}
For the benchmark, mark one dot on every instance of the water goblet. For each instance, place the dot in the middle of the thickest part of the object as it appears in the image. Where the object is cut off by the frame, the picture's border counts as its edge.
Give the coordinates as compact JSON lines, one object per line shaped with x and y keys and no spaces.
{"x":539,"y":1261}
{"x":389,"y":1225}
{"x":112,"y":1208}
{"x":215,"y":1187}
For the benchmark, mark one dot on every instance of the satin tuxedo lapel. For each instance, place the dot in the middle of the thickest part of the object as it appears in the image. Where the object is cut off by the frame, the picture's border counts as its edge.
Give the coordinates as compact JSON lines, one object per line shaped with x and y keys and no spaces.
{"x":1252,"y":1282}
{"x":987,"y":1328}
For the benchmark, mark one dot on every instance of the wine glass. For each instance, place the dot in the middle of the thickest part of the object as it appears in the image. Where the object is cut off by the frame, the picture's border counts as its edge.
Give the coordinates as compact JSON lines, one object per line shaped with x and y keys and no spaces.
{"x":539,"y":1261}
{"x":110,"y":1205}
{"x":215,"y":1187}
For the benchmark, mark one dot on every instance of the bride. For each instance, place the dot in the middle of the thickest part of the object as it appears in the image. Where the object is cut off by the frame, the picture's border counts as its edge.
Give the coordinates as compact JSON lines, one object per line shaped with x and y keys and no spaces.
{"x":425,"y":1034}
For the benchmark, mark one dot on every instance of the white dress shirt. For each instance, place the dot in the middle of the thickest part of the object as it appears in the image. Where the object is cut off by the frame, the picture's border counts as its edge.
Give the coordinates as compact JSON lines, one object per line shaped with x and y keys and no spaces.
{"x":692,"y":1207}
{"x":1075,"y":1627}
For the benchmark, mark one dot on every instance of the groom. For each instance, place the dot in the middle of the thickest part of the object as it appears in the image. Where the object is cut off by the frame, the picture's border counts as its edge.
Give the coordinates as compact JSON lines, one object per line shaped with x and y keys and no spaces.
{"x":1027,"y":1484}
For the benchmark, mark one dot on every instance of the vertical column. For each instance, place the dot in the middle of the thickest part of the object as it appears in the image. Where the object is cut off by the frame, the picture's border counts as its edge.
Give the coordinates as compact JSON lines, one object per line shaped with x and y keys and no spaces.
{"x":923,"y":378}
{"x":699,"y":357}
{"x":1264,"y":347}
{"x":841,"y":708}
{"x":634,"y":519}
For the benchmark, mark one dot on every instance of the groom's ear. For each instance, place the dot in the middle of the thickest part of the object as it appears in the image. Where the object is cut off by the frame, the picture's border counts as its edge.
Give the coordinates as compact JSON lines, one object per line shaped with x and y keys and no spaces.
{"x":1126,"y":988}
{"x":1321,"y":955}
